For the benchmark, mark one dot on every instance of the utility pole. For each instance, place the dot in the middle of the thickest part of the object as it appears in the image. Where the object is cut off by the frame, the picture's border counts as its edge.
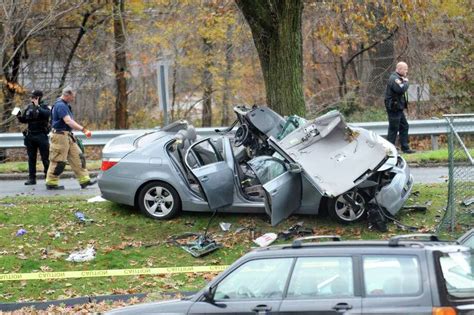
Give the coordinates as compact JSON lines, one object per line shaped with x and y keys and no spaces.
{"x":163,"y":86}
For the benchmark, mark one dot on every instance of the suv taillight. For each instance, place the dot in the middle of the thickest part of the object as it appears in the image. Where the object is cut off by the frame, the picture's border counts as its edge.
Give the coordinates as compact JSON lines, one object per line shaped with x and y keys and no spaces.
{"x":444,"y":311}
{"x":108,"y":163}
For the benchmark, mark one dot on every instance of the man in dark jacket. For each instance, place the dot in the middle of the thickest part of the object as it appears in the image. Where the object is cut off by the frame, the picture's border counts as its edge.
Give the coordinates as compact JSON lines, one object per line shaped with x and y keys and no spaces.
{"x":36,"y":115}
{"x":396,"y":101}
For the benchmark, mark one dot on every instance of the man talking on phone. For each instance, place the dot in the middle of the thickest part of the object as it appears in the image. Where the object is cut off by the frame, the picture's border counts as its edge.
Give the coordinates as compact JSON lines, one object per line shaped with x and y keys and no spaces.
{"x":36,"y":116}
{"x":396,"y":101}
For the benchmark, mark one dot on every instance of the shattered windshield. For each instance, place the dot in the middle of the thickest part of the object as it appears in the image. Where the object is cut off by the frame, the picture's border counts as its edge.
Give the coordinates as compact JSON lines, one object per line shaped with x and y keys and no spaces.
{"x":458,"y":273}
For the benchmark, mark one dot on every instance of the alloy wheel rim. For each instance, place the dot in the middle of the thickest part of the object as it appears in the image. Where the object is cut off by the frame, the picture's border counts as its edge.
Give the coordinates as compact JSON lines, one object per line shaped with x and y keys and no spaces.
{"x":158,"y":201}
{"x":345,"y":211}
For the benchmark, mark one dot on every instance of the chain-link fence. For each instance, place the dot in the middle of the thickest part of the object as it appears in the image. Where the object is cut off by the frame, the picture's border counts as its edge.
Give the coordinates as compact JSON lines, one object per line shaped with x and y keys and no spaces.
{"x":459,"y":213}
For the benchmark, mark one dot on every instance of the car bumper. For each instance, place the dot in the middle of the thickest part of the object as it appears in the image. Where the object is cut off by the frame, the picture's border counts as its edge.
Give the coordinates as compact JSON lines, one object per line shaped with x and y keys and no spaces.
{"x":117,"y":189}
{"x":394,"y":195}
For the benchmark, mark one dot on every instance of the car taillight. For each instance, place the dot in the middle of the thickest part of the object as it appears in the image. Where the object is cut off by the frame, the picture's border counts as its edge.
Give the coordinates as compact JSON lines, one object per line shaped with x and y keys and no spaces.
{"x":444,"y":311}
{"x":108,"y":163}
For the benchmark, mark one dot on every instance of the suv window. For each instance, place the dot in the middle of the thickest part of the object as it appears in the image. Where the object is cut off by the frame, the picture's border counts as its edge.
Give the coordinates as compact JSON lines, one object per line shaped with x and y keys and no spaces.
{"x":264,"y":278}
{"x":391,"y":275}
{"x":322,"y":277}
{"x":458,"y":273}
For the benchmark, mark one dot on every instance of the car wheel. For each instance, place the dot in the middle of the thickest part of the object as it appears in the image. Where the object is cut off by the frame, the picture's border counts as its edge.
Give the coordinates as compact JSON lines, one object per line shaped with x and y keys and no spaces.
{"x":342,"y":211}
{"x":159,"y":200}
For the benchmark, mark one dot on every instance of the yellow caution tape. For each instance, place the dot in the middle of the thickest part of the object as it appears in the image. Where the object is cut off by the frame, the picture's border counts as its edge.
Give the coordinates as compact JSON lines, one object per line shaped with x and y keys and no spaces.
{"x":107,"y":273}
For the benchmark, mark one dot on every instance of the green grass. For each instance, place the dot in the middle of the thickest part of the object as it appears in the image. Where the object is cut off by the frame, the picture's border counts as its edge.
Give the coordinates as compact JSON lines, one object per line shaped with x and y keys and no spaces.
{"x":22,"y":167}
{"x":124,"y":238}
{"x":435,"y":156}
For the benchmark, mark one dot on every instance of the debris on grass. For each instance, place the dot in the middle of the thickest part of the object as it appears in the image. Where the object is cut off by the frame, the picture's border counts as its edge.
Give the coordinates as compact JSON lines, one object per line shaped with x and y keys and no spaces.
{"x":87,"y":254}
{"x":225,"y":226}
{"x":266,"y":239}
{"x":468,"y":201}
{"x":96,"y":199}
{"x":82,"y":218}
{"x":295,"y":230}
{"x":20,"y":232}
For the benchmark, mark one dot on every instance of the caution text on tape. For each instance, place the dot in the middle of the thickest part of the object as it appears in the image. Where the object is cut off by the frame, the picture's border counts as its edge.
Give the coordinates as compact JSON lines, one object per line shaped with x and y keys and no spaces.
{"x":107,"y":273}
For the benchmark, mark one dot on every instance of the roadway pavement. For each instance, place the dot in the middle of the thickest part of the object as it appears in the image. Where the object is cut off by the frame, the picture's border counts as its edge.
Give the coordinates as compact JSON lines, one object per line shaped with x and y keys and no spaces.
{"x":8,"y":188}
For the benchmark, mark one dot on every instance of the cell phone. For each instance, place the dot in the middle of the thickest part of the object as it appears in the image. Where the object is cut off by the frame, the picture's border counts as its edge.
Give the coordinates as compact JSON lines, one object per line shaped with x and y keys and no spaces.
{"x":16,"y":111}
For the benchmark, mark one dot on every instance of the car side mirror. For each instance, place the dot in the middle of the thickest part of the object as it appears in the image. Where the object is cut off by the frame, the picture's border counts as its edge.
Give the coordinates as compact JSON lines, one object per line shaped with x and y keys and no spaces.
{"x":209,"y":295}
{"x":294,"y":168}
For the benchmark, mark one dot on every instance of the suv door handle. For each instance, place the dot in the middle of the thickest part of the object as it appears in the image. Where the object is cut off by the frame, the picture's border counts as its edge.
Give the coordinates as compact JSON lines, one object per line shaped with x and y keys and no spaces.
{"x":204,"y":179}
{"x":262,"y":308}
{"x":342,"y":307}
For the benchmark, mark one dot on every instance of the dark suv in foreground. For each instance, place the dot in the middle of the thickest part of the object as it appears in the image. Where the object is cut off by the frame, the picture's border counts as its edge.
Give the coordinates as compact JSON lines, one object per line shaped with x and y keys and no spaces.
{"x":408,"y":274}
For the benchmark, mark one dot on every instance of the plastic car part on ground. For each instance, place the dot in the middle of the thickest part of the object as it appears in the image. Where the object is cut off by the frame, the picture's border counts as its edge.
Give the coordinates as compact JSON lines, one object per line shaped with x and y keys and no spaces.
{"x":20,"y":232}
{"x":96,"y":199}
{"x":224,"y":226}
{"x":87,"y":254}
{"x":266,"y":239}
{"x":196,"y":244}
{"x":82,"y":218}
{"x":295,"y":230}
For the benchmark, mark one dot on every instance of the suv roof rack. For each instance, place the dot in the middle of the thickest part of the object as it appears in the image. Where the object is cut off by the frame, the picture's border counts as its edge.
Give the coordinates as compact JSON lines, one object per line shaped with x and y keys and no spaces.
{"x":394,"y":241}
{"x":299,"y":241}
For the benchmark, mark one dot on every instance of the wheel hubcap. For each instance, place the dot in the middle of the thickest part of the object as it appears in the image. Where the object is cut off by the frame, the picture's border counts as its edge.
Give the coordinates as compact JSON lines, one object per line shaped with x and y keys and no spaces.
{"x":158,"y":201}
{"x":346,"y":211}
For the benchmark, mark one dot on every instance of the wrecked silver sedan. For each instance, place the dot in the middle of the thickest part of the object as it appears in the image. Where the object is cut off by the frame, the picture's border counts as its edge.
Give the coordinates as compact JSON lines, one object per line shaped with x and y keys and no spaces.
{"x":269,"y":164}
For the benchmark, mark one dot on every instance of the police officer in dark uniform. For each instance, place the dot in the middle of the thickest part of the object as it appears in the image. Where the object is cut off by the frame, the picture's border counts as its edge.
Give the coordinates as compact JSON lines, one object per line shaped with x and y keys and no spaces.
{"x":395,"y":103}
{"x":36,"y":115}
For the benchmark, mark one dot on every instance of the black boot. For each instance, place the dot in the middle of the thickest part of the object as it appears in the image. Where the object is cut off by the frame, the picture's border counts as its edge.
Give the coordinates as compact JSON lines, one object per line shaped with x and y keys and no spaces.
{"x":54,"y":187}
{"x":31,"y":181}
{"x":89,"y":183}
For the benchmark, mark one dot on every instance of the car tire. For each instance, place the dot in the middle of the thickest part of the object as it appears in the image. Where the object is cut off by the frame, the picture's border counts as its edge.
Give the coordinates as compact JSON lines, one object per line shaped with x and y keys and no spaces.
{"x":342,"y":211}
{"x":159,"y":200}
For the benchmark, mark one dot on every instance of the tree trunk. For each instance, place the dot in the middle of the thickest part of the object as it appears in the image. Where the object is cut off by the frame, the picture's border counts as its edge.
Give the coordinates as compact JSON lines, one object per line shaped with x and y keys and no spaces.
{"x":11,"y":74}
{"x":229,"y":61}
{"x":207,"y":79}
{"x":314,"y":71}
{"x":276,"y":30}
{"x":121,"y":113}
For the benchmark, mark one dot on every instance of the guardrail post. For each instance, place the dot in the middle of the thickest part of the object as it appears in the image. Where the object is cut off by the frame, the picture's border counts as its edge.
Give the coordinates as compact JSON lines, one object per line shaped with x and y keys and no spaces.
{"x":434,"y":142}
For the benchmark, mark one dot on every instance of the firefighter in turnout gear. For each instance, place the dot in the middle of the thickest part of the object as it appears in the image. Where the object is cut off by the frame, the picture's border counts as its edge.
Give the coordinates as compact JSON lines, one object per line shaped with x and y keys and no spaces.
{"x":36,"y":115}
{"x":64,"y":147}
{"x":396,"y":101}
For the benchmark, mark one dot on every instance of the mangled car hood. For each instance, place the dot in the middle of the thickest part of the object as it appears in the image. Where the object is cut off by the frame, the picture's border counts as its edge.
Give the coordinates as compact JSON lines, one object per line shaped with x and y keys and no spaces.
{"x":333,"y":156}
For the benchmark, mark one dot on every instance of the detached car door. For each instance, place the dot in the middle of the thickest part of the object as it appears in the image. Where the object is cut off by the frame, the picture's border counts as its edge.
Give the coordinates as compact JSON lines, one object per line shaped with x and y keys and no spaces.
{"x":215,"y":177}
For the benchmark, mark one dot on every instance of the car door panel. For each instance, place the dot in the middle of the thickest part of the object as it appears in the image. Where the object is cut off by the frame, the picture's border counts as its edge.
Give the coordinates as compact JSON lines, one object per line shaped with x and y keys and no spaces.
{"x":214,"y":175}
{"x":242,"y":307}
{"x":395,"y":284}
{"x":217,"y":182}
{"x":282,"y":196}
{"x":255,"y":287}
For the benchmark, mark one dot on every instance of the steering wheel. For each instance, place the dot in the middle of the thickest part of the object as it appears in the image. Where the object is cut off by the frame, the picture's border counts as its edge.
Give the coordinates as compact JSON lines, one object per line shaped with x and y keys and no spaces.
{"x":241,"y":135}
{"x":243,"y":291}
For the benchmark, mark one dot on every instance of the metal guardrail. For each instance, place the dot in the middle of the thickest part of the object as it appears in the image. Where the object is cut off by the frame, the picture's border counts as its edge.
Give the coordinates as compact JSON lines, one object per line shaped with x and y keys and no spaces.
{"x":434,"y":128}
